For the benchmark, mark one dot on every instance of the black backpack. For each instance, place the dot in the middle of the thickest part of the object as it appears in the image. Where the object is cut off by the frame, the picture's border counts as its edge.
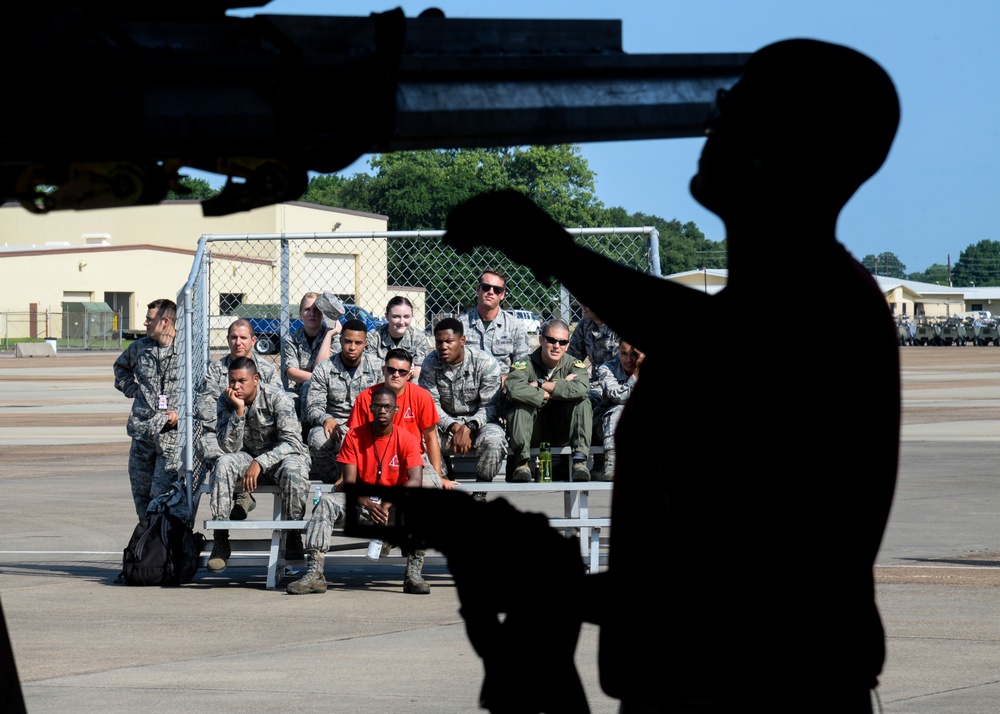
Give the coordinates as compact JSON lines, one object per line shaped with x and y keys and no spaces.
{"x":162,"y":551}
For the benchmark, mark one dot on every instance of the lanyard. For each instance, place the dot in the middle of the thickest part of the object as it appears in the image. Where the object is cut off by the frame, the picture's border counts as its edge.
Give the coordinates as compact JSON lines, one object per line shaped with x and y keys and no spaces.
{"x":378,"y":459}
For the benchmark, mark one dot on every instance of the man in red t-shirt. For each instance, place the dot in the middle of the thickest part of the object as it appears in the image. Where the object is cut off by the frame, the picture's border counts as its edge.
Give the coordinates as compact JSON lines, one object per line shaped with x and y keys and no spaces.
{"x":416,"y":412}
{"x":375,"y":453}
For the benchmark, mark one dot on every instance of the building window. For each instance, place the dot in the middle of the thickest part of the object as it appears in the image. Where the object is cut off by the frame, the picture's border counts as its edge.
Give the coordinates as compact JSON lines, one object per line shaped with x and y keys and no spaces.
{"x":976,"y":307}
{"x":228,"y":302}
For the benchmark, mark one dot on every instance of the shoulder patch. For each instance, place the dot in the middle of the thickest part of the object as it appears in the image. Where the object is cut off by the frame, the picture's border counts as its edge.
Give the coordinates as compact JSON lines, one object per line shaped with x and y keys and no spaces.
{"x":520,"y":364}
{"x":579,"y":364}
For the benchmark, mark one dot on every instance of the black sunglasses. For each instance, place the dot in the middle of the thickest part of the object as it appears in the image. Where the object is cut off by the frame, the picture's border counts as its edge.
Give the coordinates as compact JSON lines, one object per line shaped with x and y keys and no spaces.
{"x":554,"y":341}
{"x":396,"y":370}
{"x":498,"y":289}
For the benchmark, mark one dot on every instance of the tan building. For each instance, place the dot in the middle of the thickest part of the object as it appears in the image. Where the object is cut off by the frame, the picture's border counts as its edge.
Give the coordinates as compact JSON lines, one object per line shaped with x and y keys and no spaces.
{"x":127,"y":257}
{"x":909,"y":298}
{"x":906,"y":298}
{"x":708,"y":280}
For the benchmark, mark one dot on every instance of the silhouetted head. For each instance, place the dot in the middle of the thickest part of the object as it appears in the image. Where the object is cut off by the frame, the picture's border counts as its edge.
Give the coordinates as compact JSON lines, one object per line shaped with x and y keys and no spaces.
{"x":806,"y":125}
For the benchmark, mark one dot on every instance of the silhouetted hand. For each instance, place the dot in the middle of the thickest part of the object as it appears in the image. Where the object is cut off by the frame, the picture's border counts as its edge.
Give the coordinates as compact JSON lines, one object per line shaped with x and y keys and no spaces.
{"x":507,"y":221}
{"x":528,"y":656}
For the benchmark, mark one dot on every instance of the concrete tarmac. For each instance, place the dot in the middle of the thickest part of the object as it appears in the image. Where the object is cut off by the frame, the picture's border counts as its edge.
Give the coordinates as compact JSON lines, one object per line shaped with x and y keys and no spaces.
{"x":224,"y":643}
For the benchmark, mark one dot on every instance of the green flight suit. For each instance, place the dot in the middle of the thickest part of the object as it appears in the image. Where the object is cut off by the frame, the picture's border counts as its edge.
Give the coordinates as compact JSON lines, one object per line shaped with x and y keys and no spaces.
{"x":566,"y":417}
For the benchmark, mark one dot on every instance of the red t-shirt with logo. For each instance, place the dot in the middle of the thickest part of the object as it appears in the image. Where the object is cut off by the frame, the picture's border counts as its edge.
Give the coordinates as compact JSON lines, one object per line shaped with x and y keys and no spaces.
{"x":416,"y":412}
{"x":396,"y":453}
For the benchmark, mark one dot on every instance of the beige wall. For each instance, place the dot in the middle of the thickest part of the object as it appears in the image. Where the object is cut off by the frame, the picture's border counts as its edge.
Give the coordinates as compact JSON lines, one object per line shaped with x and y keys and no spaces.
{"x":45,"y":277}
{"x":177,"y":224}
{"x":147,"y":252}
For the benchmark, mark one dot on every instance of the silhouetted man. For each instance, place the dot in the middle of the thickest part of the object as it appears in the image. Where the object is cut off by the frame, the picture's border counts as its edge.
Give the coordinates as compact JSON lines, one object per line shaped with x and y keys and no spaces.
{"x":770,"y":497}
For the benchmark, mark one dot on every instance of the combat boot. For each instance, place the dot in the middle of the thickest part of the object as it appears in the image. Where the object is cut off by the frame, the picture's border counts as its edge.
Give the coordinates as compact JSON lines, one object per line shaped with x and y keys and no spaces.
{"x":245,"y":502}
{"x":220,"y":552}
{"x":314,"y":581}
{"x":413,"y":582}
{"x":609,"y":465}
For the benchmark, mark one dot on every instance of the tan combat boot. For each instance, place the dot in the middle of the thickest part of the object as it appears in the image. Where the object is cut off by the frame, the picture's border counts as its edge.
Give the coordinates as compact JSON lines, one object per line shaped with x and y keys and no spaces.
{"x":220,"y":552}
{"x":414,"y":582}
{"x":314,"y":581}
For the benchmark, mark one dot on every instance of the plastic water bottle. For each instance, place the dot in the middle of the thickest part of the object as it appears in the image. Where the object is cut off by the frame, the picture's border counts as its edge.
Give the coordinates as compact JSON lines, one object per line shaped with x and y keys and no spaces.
{"x":317,"y":494}
{"x":545,"y":463}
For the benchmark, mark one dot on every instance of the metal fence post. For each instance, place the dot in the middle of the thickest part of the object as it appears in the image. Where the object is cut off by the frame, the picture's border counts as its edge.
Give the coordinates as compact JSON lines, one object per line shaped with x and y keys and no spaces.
{"x":564,"y":311}
{"x":285,"y":297}
{"x":654,"y":253}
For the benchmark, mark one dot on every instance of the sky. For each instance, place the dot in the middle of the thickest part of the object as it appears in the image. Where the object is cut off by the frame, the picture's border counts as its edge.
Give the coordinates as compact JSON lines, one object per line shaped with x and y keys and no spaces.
{"x":937,"y":192}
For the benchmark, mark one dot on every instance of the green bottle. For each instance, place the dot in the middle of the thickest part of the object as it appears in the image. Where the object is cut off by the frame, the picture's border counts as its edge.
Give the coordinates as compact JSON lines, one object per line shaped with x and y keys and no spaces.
{"x":545,"y":463}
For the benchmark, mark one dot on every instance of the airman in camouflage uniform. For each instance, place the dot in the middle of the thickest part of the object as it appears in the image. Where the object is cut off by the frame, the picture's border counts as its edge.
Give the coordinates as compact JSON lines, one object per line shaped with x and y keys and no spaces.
{"x":146,"y":372}
{"x":263,"y":444}
{"x":335,"y":384}
{"x":380,"y":342}
{"x":465,"y":383}
{"x":494,"y":331}
{"x":615,"y":381}
{"x":242,"y":340}
{"x":549,"y":395}
{"x":594,"y":340}
{"x":300,"y":353}
{"x":397,"y":332}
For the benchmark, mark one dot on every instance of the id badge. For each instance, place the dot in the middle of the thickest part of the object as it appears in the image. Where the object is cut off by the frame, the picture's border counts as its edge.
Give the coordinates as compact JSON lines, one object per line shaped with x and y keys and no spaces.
{"x":161,"y":402}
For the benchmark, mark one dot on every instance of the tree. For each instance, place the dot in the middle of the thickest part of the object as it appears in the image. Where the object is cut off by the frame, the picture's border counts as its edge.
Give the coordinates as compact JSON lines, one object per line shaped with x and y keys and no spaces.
{"x":886,"y":263}
{"x":330,"y":189}
{"x":937,"y":273}
{"x":417,"y":190}
{"x":200,"y":190}
{"x":978,"y":265}
{"x":683,"y":246}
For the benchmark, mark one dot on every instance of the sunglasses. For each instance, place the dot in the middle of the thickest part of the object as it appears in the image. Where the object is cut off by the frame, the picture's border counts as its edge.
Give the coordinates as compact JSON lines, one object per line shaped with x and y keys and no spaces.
{"x":554,"y":341}
{"x":396,"y":370}
{"x":498,"y":289}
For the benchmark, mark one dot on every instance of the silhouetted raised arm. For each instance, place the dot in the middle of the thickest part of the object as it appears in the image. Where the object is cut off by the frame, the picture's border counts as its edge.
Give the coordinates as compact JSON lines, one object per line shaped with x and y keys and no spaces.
{"x":492,"y":219}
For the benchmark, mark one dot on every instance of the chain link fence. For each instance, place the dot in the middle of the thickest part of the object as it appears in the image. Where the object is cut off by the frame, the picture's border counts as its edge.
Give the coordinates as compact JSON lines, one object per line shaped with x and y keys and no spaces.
{"x":263,"y":278}
{"x":87,"y":326}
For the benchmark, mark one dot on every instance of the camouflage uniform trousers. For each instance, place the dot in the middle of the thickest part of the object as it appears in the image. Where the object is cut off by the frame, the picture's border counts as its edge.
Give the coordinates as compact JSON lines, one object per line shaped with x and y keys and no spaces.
{"x":490,"y":444}
{"x":331,"y":512}
{"x":605,"y":423}
{"x":291,"y":475}
{"x":152,"y":468}
{"x":323,"y":452}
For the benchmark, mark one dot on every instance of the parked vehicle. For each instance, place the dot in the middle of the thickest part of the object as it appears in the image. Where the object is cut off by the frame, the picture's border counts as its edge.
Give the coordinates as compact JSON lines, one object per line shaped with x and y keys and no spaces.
{"x":532,"y":322}
{"x":987,"y":332}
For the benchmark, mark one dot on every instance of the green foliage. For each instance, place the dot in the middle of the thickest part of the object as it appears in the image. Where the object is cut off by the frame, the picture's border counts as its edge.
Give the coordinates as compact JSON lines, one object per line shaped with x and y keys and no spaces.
{"x":937,"y":274}
{"x":886,"y":263}
{"x":682,"y":246}
{"x":978,"y":265}
{"x":417,"y":189}
{"x":200,"y":190}
{"x":328,"y":190}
